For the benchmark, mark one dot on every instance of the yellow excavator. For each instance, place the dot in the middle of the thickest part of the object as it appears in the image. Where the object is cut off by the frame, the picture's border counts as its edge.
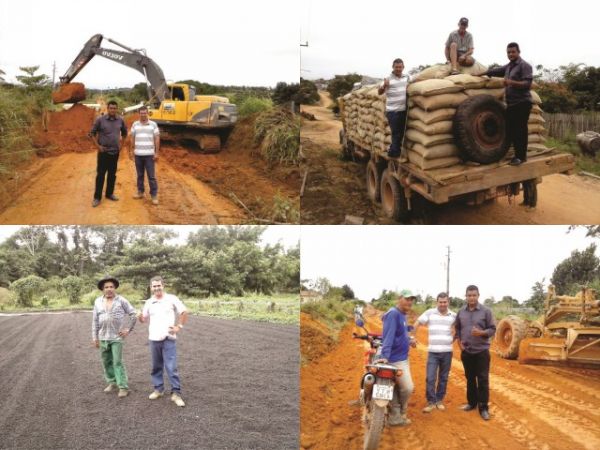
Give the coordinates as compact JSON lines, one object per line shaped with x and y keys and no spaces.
{"x":175,"y":107}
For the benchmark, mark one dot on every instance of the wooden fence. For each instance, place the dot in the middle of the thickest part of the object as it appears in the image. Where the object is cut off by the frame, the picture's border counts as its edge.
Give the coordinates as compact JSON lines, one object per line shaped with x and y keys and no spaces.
{"x":561,"y":125}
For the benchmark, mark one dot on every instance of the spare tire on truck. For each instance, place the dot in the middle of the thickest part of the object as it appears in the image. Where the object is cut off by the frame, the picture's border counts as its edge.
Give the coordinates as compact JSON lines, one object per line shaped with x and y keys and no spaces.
{"x":509,"y":333}
{"x":479,"y":128}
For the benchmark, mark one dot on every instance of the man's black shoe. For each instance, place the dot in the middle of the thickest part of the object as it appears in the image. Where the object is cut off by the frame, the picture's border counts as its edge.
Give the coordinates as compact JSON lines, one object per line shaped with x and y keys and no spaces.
{"x":113,"y":197}
{"x":393,"y":154}
{"x":468,"y":407}
{"x":485,"y":415}
{"x":515,"y":162}
{"x":95,"y":203}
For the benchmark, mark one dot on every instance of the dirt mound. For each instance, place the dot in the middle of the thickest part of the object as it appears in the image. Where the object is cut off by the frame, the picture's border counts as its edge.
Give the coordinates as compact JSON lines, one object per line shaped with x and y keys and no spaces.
{"x":315,"y":340}
{"x":67,"y":131}
{"x":69,"y":93}
{"x":240,"y":170}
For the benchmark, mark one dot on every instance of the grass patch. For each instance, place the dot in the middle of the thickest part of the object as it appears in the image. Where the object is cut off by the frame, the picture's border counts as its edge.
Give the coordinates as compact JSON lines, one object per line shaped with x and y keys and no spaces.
{"x":252,"y":105}
{"x":278,"y":133}
{"x":333,"y":312}
{"x":569,"y":144}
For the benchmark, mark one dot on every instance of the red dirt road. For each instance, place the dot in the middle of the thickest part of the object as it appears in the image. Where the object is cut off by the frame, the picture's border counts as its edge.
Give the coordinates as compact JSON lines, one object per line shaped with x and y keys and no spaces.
{"x":239,"y":380}
{"x":532,"y":407}
{"x":336,"y":188}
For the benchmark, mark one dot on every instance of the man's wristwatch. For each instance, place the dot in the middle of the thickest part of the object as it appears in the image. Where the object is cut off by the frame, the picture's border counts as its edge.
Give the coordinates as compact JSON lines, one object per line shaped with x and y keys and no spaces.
{"x":180,"y":325}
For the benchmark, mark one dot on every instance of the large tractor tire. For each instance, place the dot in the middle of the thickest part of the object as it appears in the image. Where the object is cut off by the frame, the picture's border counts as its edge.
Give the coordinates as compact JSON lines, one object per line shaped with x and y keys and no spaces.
{"x":530,"y":193}
{"x":509,"y":333}
{"x":374,"y":429}
{"x":373,"y":176}
{"x":480,"y":129}
{"x":393,"y":201}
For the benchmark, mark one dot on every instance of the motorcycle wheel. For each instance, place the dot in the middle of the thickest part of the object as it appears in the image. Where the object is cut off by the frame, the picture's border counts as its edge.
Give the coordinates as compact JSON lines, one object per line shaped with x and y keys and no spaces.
{"x":374,"y":427}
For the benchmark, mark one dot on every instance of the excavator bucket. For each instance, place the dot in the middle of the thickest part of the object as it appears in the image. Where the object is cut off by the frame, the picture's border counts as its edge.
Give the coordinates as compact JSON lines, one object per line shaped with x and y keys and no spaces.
{"x":69,"y":93}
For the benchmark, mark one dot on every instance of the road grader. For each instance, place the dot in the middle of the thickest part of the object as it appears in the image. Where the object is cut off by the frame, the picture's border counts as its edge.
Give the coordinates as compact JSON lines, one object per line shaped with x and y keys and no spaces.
{"x":567,"y":333}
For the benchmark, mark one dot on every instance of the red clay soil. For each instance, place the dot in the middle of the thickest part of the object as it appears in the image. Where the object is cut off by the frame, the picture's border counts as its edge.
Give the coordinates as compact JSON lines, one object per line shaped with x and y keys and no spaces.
{"x":69,"y":93}
{"x":67,"y":131}
{"x":239,"y":169}
{"x":239,"y":380}
{"x":532,"y":407}
{"x":315,"y":340}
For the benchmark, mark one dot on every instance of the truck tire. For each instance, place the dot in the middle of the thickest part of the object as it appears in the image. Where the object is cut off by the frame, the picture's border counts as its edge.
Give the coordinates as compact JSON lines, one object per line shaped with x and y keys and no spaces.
{"x":479,"y":128}
{"x":393,"y":200}
{"x":373,"y":175}
{"x":509,"y":333}
{"x":530,"y":193}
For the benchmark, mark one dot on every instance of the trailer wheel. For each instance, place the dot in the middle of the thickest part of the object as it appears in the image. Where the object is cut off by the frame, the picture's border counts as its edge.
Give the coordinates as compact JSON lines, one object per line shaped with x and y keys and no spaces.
{"x":509,"y":333}
{"x":480,"y":129}
{"x":421,"y":212}
{"x":530,"y":193}
{"x":393,"y":200}
{"x":373,"y":175}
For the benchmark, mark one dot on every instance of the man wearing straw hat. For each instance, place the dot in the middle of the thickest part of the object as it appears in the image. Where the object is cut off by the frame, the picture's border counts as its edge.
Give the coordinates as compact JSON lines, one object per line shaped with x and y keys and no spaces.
{"x":113,"y":318}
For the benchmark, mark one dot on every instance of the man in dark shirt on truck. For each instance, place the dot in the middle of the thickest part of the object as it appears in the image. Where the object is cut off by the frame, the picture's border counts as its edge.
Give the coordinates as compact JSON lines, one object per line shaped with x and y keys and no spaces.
{"x":108,"y":133}
{"x":474,"y":327}
{"x":518,"y":76}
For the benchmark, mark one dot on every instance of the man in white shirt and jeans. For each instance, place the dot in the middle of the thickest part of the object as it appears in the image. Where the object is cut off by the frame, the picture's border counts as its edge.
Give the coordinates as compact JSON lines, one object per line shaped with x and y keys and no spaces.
{"x":440,"y":322}
{"x":167,"y":316}
{"x":145,"y":141}
{"x":394,"y":88}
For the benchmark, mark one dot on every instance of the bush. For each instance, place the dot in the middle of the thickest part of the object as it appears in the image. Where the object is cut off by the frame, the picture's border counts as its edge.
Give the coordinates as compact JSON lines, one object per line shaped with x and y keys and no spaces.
{"x":252,"y":105}
{"x":73,"y":286}
{"x":278,"y":131}
{"x":27,"y":288}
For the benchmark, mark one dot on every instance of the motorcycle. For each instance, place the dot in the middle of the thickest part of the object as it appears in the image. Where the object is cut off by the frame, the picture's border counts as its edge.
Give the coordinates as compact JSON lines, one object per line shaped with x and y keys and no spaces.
{"x":376,"y":388}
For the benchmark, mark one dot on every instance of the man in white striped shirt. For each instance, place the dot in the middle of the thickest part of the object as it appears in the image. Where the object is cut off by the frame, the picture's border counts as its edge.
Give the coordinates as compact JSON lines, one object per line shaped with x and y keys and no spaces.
{"x":440,"y":322}
{"x":145,"y":140}
{"x":394,"y":88}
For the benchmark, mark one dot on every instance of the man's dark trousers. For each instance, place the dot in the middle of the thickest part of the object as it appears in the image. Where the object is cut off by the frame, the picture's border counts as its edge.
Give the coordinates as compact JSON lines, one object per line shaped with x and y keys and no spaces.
{"x":477,"y":372}
{"x":397,"y":121}
{"x":106,"y":167}
{"x":517,"y":117}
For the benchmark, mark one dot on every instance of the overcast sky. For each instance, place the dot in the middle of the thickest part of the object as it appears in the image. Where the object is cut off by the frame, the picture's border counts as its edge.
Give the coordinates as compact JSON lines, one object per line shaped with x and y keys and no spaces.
{"x":229,"y":43}
{"x":288,"y":235}
{"x":500,"y":260}
{"x":365,"y":37}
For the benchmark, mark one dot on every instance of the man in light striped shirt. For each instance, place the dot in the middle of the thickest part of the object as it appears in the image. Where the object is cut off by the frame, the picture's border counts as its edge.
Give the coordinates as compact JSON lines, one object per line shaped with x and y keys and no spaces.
{"x":145,"y":140}
{"x":394,"y":88}
{"x":440,"y":322}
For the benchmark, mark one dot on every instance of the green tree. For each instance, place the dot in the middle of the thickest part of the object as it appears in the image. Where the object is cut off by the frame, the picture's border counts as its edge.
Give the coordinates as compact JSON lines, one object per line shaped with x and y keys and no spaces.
{"x":489,"y":302}
{"x":386,"y":300}
{"x":347,"y":292}
{"x":580,"y":268}
{"x":2,"y":72}
{"x":538,"y":295}
{"x":73,"y":286}
{"x":341,"y":85}
{"x":27,"y":289}
{"x":32,"y":81}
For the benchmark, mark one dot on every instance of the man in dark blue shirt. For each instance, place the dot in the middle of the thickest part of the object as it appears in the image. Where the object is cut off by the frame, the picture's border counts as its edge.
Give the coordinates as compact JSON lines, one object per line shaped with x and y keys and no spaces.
{"x":475,"y":327}
{"x":394,"y":350}
{"x":518,"y":76}
{"x":108,"y":133}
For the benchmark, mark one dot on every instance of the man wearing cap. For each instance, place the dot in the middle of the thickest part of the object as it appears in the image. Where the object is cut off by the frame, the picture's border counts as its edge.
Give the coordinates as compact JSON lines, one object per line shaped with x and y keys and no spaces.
{"x":475,"y":327}
{"x":113,"y":318}
{"x":166,"y":315}
{"x":440,"y":324}
{"x":394,"y":350}
{"x":459,"y":47}
{"x":518,"y":76}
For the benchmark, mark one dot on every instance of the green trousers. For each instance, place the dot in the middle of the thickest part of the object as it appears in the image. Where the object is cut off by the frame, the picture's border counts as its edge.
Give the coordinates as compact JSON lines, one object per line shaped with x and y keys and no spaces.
{"x":112,"y":361}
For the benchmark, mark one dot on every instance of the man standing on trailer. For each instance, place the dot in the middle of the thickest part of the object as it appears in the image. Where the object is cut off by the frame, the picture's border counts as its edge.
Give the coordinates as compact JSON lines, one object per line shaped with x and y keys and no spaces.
{"x":394,"y":88}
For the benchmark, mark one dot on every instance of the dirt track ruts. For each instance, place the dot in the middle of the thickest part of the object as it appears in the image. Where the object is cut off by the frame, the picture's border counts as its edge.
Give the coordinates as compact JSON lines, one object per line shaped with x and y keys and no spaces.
{"x":239,"y":380}
{"x":532,"y":407}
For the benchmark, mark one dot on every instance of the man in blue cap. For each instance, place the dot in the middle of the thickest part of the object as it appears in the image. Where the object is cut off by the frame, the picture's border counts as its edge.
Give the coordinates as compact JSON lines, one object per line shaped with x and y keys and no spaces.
{"x":394,"y":350}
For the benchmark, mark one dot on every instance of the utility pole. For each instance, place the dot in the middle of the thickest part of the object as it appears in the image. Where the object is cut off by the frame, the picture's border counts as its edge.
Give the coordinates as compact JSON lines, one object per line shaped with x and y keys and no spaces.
{"x":53,"y":72}
{"x":448,"y":271}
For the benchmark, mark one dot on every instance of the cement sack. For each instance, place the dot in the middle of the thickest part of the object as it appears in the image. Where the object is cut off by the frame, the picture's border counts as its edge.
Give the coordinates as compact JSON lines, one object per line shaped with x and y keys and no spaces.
{"x":475,"y":69}
{"x":433,"y":87}
{"x":494,"y":83}
{"x":467,"y":81}
{"x":535,"y":98}
{"x":496,"y":93}
{"x":536,"y":118}
{"x":533,"y":128}
{"x":435,"y":152}
{"x":426,"y":164}
{"x":536,"y":109}
{"x":431,"y":117}
{"x":437,"y":71}
{"x":442,"y":127}
{"x":533,"y":146}
{"x":428,"y":141}
{"x":438,"y":101}
{"x":535,"y":138}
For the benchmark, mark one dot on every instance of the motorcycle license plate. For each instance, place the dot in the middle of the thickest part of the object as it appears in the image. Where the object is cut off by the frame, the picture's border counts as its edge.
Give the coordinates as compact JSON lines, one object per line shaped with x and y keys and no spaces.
{"x":382,"y":392}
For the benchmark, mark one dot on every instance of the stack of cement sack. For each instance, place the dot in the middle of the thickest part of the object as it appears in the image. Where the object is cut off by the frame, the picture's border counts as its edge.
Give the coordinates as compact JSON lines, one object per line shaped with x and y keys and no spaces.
{"x":434,"y":95}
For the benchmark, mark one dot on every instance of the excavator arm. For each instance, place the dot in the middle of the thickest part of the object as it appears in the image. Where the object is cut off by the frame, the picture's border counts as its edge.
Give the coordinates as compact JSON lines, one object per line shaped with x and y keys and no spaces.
{"x":135,"y":59}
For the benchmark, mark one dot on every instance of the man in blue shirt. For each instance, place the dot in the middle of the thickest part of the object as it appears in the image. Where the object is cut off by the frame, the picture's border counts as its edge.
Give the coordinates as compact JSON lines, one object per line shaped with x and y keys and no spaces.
{"x":394,"y":350}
